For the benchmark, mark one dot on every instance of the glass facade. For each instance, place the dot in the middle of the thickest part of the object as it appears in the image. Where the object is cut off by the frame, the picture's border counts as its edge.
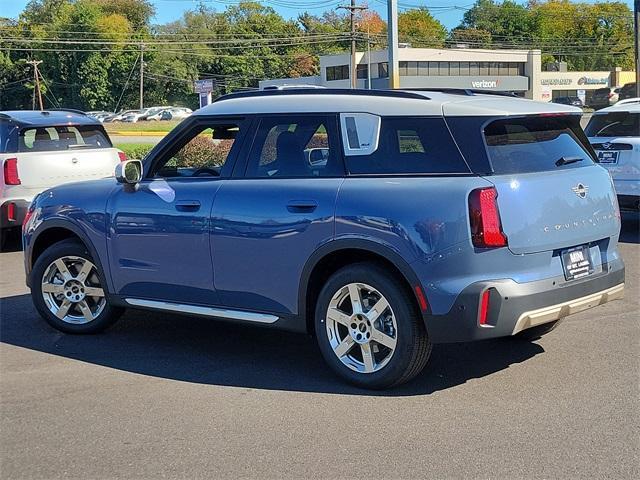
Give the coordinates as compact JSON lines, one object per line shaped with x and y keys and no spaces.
{"x":454,"y":69}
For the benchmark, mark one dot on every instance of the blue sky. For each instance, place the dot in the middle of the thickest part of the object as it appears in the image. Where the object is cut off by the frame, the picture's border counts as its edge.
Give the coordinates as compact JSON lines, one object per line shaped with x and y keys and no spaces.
{"x":449,"y":12}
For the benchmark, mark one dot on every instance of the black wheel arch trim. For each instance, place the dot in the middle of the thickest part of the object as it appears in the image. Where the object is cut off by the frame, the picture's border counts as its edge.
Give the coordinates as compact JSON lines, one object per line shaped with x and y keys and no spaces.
{"x":77,"y":231}
{"x":366,"y":245}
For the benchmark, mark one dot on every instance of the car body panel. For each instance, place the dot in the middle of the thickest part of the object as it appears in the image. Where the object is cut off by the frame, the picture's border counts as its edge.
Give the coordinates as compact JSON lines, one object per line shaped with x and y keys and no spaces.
{"x":159,"y":240}
{"x":263,"y":234}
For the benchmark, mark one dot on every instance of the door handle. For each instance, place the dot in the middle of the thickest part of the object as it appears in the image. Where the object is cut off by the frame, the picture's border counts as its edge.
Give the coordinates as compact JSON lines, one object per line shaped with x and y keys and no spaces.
{"x":302,"y":206}
{"x":188,"y":205}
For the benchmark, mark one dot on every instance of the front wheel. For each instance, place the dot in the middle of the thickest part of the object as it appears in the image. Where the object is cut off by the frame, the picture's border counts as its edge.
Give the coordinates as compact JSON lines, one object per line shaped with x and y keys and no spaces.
{"x":369,"y":329}
{"x":67,"y":289}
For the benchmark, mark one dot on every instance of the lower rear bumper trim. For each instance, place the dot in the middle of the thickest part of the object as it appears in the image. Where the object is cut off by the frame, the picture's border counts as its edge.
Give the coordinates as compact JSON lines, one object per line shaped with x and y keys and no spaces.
{"x":556,"y":312}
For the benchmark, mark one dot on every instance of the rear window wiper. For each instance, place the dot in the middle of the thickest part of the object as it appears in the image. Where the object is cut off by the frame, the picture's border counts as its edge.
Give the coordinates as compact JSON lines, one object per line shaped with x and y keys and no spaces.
{"x":567,"y":160}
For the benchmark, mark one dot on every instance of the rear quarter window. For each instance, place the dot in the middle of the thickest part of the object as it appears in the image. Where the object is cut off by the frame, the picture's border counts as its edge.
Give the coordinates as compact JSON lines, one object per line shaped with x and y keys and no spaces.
{"x":410,"y":145}
{"x":614,"y":124}
{"x":536,"y":144}
{"x":55,"y":138}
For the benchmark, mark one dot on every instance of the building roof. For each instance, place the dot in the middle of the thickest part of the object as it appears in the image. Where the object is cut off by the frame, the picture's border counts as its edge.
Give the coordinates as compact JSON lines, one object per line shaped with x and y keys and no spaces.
{"x":25,"y":118}
{"x":379,"y":102}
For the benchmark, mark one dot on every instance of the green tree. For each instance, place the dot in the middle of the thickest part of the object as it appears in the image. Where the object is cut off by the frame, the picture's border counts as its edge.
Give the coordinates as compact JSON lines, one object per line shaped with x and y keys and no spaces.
{"x":418,"y":27}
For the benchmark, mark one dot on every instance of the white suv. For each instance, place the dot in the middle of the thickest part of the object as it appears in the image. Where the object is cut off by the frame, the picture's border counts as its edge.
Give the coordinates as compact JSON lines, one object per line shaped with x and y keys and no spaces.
{"x":42,"y":149}
{"x":614,"y":133}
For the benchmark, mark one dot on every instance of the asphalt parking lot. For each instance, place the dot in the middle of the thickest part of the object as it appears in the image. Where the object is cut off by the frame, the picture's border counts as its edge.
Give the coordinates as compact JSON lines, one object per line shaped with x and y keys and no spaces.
{"x":167,"y":396}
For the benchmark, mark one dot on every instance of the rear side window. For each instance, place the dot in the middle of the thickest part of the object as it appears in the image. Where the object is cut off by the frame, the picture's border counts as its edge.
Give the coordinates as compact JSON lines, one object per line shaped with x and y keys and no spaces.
{"x":304,"y":146}
{"x":410,"y":145}
{"x":536,"y":144}
{"x":614,"y":124}
{"x":42,"y":139}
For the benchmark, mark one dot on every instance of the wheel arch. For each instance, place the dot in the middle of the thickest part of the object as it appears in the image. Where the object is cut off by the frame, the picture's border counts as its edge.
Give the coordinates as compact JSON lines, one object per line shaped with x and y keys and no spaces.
{"x":54,"y":231}
{"x":339,"y":253}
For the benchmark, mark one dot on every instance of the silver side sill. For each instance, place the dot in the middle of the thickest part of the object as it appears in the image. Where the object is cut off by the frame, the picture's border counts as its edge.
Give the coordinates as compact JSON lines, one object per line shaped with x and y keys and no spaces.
{"x":204,"y":311}
{"x":561,"y":310}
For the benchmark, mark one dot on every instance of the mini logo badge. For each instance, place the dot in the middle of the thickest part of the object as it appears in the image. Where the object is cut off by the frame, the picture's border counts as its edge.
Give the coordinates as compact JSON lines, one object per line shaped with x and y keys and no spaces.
{"x":581,"y":190}
{"x":606,"y":146}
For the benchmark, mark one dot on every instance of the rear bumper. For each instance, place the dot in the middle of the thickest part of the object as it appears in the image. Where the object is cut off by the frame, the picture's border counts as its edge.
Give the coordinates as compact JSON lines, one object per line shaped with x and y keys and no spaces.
{"x":514,"y":307}
{"x":12,"y":213}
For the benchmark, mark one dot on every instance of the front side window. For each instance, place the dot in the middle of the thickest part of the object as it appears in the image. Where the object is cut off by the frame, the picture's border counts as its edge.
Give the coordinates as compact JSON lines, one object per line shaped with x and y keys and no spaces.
{"x":286,"y":147}
{"x":43,"y":139}
{"x":536,"y":144}
{"x":614,"y":124}
{"x":204,"y":153}
{"x":410,"y":145}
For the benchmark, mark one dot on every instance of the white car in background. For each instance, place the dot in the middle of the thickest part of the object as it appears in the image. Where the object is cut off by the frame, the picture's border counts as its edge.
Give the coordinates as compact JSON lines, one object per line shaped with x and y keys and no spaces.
{"x":171,"y":113}
{"x":614,"y":133}
{"x":42,"y":149}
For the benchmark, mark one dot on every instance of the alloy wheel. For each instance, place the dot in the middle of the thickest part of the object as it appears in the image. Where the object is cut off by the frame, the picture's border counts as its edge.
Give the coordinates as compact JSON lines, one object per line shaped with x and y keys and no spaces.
{"x":361,"y":328}
{"x":71,"y":290}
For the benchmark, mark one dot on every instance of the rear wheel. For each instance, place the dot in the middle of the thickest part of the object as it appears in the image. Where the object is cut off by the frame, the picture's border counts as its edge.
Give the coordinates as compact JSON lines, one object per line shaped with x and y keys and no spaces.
{"x":68,"y":290}
{"x":368,"y":329}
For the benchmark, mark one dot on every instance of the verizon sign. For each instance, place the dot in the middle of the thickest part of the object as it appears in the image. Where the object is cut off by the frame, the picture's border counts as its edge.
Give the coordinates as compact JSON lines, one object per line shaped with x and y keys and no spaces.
{"x":484,"y":84}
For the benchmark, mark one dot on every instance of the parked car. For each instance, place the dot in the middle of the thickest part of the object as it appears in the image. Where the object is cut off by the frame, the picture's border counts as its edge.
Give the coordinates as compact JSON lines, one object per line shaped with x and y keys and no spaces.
{"x":119,"y":117}
{"x":425,"y":217}
{"x":604,"y":97}
{"x":614,"y":133}
{"x":627,"y":91}
{"x":100,"y":115}
{"x":151,"y":111}
{"x":574,"y":101}
{"x":42,"y":149}
{"x":171,"y":113}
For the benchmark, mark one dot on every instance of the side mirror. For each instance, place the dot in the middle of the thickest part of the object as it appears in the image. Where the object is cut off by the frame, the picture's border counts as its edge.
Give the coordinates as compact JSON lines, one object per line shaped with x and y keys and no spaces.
{"x":129,"y":172}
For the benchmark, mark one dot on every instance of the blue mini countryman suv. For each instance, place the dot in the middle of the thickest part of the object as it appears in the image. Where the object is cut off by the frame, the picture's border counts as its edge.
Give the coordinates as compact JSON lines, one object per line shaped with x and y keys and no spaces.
{"x":380,"y":222}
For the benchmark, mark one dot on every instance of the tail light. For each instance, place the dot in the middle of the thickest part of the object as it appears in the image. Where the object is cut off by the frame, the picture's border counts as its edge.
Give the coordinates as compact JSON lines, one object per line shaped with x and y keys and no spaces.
{"x":486,"y":228}
{"x":122,"y":156}
{"x":11,"y":172}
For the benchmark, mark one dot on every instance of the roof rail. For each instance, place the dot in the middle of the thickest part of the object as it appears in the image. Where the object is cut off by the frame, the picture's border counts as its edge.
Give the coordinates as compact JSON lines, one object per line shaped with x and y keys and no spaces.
{"x":323,"y":91}
{"x":72,"y":110}
{"x":627,"y":101}
{"x":464,"y":91}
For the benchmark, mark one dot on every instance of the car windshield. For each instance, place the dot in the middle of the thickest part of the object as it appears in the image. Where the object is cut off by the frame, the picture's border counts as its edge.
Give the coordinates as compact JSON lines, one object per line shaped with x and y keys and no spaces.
{"x":614,"y":124}
{"x":63,"y":138}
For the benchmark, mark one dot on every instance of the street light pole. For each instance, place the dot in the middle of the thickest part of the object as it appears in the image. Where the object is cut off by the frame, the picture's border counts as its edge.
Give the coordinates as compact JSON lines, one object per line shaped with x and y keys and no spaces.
{"x":392,"y":41}
{"x":636,"y":21}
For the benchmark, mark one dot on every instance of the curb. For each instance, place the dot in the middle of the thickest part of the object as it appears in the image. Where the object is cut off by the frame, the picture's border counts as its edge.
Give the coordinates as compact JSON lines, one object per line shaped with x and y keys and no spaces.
{"x":138,"y":134}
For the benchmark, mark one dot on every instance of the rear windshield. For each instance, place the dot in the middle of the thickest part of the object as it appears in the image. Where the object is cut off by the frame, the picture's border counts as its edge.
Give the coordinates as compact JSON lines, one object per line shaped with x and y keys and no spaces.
{"x":410,"y":145}
{"x":43,"y":139}
{"x":614,"y":124}
{"x":536,"y":144}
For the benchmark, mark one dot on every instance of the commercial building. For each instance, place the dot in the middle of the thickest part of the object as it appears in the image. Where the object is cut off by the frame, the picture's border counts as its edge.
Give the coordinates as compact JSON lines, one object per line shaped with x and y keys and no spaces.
{"x":517,"y":71}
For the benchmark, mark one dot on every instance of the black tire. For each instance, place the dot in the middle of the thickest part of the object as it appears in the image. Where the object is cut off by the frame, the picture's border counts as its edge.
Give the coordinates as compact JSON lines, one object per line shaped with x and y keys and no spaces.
{"x":3,"y":238}
{"x":412,"y":347}
{"x":66,"y":248}
{"x":534,"y":333}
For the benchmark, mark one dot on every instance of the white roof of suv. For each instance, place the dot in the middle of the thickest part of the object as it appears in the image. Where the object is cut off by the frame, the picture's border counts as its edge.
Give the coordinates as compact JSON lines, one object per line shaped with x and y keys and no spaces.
{"x":627,"y":105}
{"x":379,"y":102}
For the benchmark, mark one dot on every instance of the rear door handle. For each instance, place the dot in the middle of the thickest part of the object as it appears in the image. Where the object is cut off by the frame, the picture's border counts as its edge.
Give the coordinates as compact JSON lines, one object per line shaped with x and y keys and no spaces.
{"x":188,"y":205}
{"x":302,"y":206}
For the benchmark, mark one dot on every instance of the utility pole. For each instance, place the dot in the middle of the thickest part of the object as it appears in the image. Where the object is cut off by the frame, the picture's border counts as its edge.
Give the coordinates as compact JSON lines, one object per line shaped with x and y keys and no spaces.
{"x":636,"y":18}
{"x":141,"y":76}
{"x":353,"y":8}
{"x":392,"y":41}
{"x":36,"y":78}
